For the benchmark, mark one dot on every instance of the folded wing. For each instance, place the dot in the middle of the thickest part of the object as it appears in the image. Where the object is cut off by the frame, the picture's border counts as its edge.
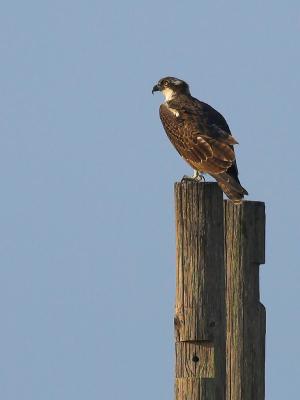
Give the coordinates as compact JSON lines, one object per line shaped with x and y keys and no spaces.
{"x":206,"y":147}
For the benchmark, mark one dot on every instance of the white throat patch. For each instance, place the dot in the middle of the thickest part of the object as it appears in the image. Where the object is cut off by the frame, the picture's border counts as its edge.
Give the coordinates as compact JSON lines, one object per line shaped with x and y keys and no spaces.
{"x":168,"y":93}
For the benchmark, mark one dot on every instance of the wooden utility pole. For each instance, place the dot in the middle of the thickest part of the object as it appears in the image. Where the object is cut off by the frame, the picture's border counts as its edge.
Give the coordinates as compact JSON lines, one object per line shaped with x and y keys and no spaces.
{"x":246,"y":317}
{"x":219,"y":322}
{"x":200,"y":293}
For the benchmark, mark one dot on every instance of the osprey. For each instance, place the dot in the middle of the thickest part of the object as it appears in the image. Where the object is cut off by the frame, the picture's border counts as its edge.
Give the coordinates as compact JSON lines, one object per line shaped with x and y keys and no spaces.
{"x":201,"y":136}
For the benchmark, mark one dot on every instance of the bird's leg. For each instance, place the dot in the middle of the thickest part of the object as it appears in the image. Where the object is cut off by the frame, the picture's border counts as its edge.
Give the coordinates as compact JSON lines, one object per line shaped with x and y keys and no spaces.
{"x":197,"y":176}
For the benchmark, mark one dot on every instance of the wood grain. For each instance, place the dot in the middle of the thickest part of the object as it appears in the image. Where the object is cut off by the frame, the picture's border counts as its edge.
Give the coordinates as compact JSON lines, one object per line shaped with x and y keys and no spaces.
{"x":219,"y":321}
{"x":246,"y":320}
{"x":200,"y":292}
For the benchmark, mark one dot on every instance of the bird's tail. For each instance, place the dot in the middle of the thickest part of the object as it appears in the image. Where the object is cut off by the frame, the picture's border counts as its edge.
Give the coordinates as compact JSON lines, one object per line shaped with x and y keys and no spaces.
{"x":231,"y":186}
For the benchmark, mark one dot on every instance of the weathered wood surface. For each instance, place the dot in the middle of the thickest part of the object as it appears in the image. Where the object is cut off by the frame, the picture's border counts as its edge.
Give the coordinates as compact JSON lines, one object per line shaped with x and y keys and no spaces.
{"x":244,"y":227}
{"x":200,"y":292}
{"x":219,"y":320}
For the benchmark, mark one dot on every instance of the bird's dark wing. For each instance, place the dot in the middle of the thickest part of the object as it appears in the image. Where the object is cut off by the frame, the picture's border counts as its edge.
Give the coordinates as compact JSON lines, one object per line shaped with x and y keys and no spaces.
{"x":218,"y":123}
{"x":199,"y":133}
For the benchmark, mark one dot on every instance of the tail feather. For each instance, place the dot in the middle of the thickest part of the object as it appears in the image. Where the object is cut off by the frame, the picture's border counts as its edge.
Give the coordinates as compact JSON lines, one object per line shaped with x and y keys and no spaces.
{"x":230,"y":186}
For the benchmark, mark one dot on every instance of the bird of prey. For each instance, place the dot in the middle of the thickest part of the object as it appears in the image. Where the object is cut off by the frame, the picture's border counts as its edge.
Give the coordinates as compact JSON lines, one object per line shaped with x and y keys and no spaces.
{"x":201,"y":136}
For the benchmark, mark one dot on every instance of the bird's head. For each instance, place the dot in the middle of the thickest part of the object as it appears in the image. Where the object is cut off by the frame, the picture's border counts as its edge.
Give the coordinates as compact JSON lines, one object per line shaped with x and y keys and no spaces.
{"x":171,"y":87}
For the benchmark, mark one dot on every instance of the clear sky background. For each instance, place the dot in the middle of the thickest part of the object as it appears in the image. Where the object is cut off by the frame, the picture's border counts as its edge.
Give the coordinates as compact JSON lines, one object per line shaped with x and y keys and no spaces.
{"x":87,"y":241}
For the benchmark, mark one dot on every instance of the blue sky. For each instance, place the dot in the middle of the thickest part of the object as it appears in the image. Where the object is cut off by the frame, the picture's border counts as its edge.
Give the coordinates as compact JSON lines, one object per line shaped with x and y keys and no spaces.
{"x":86,"y":218}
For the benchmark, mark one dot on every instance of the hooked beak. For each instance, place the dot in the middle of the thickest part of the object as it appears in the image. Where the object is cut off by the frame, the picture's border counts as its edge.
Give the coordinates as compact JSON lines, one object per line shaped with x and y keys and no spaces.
{"x":156,"y":88}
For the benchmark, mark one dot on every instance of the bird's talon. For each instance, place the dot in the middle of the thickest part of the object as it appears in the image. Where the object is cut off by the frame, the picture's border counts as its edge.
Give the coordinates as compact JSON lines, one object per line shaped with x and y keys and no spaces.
{"x":196,"y":177}
{"x":187,"y":178}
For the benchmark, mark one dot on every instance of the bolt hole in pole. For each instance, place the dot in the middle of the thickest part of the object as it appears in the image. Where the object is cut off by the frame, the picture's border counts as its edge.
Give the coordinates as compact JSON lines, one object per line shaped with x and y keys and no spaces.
{"x":195,"y":358}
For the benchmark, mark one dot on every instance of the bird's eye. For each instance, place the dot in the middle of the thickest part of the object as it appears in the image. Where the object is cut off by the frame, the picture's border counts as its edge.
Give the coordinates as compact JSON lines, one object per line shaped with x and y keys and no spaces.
{"x":165,"y":83}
